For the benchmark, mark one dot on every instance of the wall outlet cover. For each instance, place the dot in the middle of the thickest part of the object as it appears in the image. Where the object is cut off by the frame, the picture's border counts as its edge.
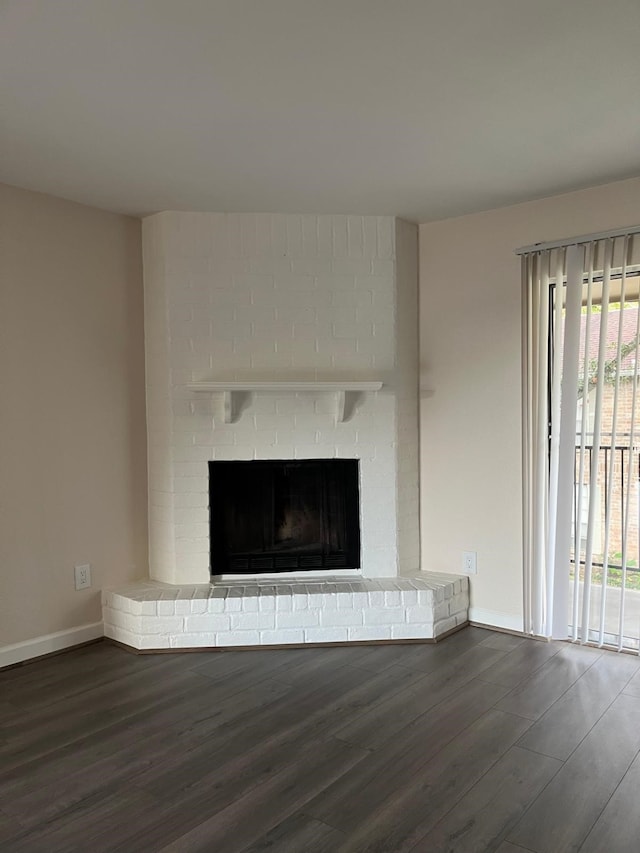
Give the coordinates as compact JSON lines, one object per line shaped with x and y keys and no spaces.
{"x":469,"y":562}
{"x":83,"y":576}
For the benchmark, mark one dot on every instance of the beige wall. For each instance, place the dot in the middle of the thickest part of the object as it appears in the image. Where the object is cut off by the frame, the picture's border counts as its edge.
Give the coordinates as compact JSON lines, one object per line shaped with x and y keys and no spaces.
{"x":470,"y":360}
{"x":72,"y":418}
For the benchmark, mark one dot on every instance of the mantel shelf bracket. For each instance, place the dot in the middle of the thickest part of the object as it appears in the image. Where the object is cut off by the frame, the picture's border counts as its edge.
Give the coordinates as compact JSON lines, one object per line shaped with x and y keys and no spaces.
{"x":227,"y":406}
{"x":345,"y":393}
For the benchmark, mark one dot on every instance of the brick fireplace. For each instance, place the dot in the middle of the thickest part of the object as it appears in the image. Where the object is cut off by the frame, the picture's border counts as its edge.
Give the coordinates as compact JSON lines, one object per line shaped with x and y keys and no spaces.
{"x":276,"y":298}
{"x":282,"y":337}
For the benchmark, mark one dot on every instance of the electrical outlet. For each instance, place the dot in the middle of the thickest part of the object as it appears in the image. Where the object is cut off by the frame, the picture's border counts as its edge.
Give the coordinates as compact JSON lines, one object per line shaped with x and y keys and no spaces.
{"x":83,"y":576}
{"x":469,"y":566}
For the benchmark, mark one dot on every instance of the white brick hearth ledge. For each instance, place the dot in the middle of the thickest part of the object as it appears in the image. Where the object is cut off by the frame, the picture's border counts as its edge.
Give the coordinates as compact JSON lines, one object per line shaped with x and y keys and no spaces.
{"x":272,"y":612}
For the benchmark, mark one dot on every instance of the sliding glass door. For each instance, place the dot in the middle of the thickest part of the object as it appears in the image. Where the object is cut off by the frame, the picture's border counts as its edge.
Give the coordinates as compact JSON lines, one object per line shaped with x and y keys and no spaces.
{"x":582,"y":442}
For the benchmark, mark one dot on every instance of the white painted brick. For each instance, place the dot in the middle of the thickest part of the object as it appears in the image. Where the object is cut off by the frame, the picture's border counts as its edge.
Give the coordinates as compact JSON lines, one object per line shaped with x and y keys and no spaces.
{"x":341,"y":618}
{"x":370,"y":632}
{"x":238,"y":638}
{"x":384,"y":616}
{"x":232,"y":604}
{"x":116,"y":602}
{"x":348,"y":330}
{"x":311,"y":266}
{"x":355,"y":232}
{"x":359,"y":600}
{"x":294,"y":236}
{"x":161,"y":624}
{"x":279,"y":236}
{"x":340,"y":237}
{"x":252,"y":621}
{"x":425,"y":597}
{"x":267,"y":603}
{"x":316,"y":298}
{"x":127,"y":605}
{"x":325,"y":236}
{"x":298,"y":619}
{"x":315,"y":599}
{"x":154,"y":641}
{"x":329,"y":602}
{"x":214,"y":604}
{"x":300,"y":601}
{"x":207,"y":622}
{"x":347,"y":301}
{"x":118,"y":619}
{"x":438,"y":594}
{"x":193,"y":640}
{"x":191,"y":531}
{"x":191,"y":514}
{"x":369,"y":248}
{"x":325,"y":635}
{"x":351,"y":266}
{"x":345,"y":600}
{"x":445,"y":625}
{"x":309,"y":236}
{"x":267,"y":422}
{"x":377,"y":598}
{"x":294,"y":314}
{"x":192,"y":547}
{"x":190,"y":485}
{"x":189,"y":469}
{"x":292,"y":283}
{"x":284,"y":603}
{"x":281,"y":637}
{"x":385,"y":237}
{"x":189,"y":500}
{"x":458,"y":604}
{"x":234,"y":453}
{"x":417,"y":631}
{"x":166,"y":608}
{"x":392,"y":598}
{"x":121,"y":635}
{"x":148,"y":608}
{"x":419,"y":614}
{"x":263,"y":242}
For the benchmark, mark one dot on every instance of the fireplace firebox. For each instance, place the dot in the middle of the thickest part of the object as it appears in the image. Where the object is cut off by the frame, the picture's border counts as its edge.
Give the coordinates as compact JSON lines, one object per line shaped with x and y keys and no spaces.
{"x":284,"y":515}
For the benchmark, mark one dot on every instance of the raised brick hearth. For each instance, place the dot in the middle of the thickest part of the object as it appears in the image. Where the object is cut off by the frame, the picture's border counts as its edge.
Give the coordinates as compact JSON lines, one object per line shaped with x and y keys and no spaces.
{"x":152,"y":615}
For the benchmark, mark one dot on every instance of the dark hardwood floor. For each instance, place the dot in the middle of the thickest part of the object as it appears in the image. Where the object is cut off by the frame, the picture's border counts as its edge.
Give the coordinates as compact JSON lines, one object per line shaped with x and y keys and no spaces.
{"x":483,"y":742}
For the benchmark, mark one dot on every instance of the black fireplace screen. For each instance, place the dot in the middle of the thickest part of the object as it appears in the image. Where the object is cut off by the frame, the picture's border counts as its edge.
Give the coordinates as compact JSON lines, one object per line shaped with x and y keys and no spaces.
{"x":274,"y":516}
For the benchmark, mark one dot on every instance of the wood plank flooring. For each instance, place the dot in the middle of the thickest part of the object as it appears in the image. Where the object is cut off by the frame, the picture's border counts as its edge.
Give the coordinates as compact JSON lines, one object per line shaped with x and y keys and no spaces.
{"x":483,"y":743}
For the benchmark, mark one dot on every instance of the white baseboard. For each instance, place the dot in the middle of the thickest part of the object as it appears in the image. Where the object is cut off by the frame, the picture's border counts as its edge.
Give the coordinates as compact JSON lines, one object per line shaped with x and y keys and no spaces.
{"x":496,"y":619}
{"x":18,"y":652}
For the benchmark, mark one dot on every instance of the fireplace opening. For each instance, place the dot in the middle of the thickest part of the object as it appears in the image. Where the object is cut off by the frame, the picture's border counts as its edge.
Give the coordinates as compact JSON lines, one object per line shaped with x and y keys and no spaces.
{"x":284,"y":515}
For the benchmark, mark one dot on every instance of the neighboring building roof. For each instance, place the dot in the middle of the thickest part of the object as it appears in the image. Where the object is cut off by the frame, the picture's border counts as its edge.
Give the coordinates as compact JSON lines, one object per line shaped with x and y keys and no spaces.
{"x":629,"y":331}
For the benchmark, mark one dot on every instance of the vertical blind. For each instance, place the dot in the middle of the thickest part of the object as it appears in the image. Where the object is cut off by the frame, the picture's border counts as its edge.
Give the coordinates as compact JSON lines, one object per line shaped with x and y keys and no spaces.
{"x":581,"y":448}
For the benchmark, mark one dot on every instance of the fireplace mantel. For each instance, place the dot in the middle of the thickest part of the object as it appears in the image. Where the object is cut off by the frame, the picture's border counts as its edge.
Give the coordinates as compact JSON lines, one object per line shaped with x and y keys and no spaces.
{"x":230,"y":388}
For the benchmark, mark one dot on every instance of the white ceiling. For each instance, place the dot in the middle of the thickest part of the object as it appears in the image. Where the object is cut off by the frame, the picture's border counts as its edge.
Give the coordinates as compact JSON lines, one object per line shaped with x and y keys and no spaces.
{"x":420,"y":108}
